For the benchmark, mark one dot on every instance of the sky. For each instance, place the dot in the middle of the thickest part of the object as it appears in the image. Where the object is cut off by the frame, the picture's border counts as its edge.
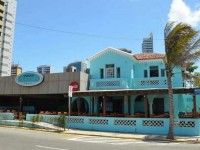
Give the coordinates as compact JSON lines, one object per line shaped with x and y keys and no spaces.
{"x":58,"y":32}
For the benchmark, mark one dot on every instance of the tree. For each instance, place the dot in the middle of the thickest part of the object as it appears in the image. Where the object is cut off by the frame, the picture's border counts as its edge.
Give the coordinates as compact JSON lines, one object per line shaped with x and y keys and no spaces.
{"x":190,"y":67}
{"x":197,"y":74}
{"x":197,"y":78}
{"x":182,"y":45}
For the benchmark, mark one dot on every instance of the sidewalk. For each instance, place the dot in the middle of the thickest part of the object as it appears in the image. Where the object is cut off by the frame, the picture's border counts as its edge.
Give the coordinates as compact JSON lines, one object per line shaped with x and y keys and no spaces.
{"x":190,"y":139}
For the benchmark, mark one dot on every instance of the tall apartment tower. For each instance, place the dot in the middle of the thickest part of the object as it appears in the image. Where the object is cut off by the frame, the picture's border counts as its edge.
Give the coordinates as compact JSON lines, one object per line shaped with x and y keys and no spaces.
{"x":16,"y":70}
{"x":147,"y":44}
{"x":44,"y":69}
{"x":7,"y":25}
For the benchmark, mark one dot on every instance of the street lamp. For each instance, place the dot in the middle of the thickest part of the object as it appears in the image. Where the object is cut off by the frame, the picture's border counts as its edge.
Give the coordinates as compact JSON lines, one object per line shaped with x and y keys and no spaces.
{"x":20,"y":104}
{"x":69,"y":102}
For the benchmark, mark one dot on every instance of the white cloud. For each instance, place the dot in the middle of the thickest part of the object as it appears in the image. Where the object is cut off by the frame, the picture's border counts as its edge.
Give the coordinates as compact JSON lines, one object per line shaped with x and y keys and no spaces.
{"x":180,"y":12}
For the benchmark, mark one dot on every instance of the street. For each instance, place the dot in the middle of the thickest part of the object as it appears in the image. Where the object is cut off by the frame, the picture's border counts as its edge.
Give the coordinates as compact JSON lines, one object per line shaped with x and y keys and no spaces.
{"x":21,"y":139}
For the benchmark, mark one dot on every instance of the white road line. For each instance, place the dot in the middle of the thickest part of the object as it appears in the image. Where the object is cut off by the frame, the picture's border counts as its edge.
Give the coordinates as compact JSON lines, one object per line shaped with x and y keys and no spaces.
{"x":88,"y":138}
{"x":100,"y":140}
{"x":49,"y":147}
{"x":116,"y":141}
{"x":124,"y":143}
{"x":155,"y":143}
{"x":93,"y":138}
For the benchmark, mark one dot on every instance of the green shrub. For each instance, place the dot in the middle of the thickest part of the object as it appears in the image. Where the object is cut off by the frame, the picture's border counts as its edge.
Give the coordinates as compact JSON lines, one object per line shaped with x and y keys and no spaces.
{"x":62,"y":121}
{"x":21,"y":119}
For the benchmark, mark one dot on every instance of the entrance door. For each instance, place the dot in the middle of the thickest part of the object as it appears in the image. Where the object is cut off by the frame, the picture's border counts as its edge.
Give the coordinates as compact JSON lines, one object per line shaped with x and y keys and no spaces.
{"x":158,"y":106}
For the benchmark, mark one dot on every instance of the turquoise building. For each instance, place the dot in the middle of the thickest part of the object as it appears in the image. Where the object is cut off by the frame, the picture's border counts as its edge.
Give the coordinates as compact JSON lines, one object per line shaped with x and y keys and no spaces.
{"x":129,"y":93}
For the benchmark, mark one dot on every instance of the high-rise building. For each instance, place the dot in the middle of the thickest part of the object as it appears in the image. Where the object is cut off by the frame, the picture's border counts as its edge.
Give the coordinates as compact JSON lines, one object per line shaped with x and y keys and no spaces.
{"x":77,"y":66}
{"x":147,"y":44}
{"x":69,"y":69}
{"x":7,"y":25}
{"x":44,"y":69}
{"x":16,"y":70}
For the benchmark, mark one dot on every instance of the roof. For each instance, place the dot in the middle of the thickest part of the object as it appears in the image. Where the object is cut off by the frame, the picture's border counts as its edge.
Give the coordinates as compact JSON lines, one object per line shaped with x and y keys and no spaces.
{"x":141,"y":56}
{"x":110,"y":49}
{"x":119,"y":92}
{"x":147,"y":56}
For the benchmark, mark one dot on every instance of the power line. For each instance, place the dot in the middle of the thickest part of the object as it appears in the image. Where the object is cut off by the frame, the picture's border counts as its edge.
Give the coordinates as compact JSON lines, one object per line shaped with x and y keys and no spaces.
{"x":77,"y":33}
{"x":74,"y":33}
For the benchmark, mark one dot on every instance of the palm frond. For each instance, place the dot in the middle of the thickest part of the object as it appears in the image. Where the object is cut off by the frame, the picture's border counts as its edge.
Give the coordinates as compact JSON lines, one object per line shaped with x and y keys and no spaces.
{"x":181,"y":44}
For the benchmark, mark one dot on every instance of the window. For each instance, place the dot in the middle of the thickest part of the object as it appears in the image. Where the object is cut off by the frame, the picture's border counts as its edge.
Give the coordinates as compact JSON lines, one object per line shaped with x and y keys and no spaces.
{"x":9,"y":14}
{"x":118,"y":72}
{"x":154,"y":71}
{"x":110,"y":71}
{"x":101,"y":73}
{"x":1,"y":3}
{"x":145,"y":73}
{"x":162,"y":72}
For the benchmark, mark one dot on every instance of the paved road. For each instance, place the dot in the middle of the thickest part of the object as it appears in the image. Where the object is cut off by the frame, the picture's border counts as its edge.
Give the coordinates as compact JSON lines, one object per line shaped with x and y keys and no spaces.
{"x":19,"y":139}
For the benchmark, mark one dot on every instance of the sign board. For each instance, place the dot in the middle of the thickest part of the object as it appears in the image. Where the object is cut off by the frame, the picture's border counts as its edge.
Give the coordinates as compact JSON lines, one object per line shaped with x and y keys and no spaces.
{"x":29,"y":78}
{"x":196,"y":91}
{"x":75,"y":86}
{"x":70,"y":91}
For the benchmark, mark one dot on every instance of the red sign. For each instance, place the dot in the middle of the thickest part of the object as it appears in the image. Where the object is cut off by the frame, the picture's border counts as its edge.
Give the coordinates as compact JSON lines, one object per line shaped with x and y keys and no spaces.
{"x":75,"y":86}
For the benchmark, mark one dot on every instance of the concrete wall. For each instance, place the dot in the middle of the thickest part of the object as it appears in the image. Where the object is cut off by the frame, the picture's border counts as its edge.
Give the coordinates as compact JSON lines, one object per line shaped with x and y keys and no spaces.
{"x":186,"y":127}
{"x":56,"y":83}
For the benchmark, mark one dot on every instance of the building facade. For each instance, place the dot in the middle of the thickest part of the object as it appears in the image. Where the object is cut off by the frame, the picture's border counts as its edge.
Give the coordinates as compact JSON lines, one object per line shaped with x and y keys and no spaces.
{"x":147,"y":44}
{"x":7,"y":26}
{"x":44,"y":69}
{"x":16,"y":70}
{"x":124,"y":92}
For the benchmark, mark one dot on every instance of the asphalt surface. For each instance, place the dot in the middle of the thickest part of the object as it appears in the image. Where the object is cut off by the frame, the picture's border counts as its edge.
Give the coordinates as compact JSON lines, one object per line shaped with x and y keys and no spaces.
{"x":20,"y":139}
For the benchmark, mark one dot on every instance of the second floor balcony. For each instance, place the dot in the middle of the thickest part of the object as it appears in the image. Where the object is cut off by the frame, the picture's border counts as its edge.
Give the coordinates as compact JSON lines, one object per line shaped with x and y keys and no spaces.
{"x":111,"y":83}
{"x":137,"y":83}
{"x":144,"y":83}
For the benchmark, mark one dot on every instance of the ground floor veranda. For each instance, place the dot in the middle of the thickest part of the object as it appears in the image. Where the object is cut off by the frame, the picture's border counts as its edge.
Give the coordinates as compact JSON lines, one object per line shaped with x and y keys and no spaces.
{"x":132,"y":111}
{"x":152,"y":103}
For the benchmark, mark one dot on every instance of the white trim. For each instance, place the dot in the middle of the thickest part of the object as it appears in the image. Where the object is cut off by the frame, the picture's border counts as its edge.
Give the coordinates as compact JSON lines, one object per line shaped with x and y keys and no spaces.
{"x":112,"y":50}
{"x":150,"y":60}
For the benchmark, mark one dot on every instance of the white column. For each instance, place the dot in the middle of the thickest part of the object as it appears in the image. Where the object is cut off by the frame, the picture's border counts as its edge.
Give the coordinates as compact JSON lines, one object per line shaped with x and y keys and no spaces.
{"x":132,"y":103}
{"x":125,"y":104}
{"x":150,"y":99}
{"x":151,"y":108}
{"x":95,"y":105}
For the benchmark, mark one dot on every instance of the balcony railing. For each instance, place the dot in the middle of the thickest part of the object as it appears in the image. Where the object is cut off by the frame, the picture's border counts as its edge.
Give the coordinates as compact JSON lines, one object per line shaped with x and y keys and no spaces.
{"x":137,"y":83}
{"x":111,"y":83}
{"x":149,"y":83}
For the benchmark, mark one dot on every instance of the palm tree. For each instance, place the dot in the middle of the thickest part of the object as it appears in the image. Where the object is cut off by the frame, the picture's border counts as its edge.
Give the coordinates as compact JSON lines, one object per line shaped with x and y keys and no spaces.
{"x":182,"y":45}
{"x":190,"y":67}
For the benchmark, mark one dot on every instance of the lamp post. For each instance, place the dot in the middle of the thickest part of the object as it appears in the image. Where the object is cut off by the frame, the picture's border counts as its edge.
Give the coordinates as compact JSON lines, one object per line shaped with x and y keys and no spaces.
{"x":69,"y":102}
{"x":20,"y":104}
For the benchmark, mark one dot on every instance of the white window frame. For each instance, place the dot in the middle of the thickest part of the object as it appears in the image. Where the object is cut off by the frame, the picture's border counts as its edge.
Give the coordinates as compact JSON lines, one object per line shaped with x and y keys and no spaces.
{"x":110,"y":71}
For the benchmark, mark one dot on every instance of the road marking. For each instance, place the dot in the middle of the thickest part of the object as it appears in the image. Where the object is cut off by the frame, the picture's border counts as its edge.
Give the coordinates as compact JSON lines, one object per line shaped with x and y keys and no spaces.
{"x":108,"y":140}
{"x":49,"y":147}
{"x":117,"y":141}
{"x":89,"y":138}
{"x":71,"y":137}
{"x":124,"y":143}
